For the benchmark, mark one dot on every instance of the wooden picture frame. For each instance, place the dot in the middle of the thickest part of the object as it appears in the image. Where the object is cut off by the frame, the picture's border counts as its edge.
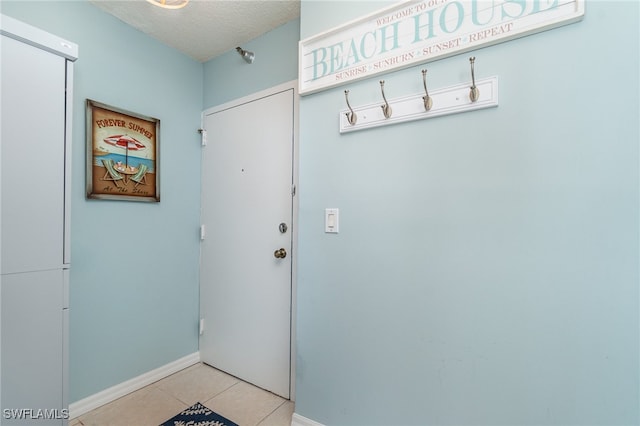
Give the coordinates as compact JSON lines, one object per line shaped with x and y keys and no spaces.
{"x":122,"y":154}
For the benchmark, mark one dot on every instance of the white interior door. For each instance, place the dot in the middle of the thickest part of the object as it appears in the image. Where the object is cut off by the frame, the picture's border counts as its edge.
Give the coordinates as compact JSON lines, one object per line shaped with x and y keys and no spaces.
{"x":245,"y":289}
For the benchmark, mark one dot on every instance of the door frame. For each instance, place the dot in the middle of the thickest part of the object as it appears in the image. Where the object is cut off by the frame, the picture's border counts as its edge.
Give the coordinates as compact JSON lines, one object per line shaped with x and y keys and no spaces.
{"x":290,"y":85}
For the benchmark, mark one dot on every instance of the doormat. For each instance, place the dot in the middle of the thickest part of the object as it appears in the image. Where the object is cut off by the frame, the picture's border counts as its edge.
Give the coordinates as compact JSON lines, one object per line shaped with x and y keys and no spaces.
{"x":198,"y":415}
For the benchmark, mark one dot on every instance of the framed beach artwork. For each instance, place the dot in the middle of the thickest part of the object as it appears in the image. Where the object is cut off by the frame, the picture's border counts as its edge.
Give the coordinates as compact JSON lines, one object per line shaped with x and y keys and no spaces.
{"x":122,"y":154}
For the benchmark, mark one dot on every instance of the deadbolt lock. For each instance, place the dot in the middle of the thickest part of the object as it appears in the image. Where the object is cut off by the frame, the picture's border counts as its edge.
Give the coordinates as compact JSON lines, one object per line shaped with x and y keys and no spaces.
{"x":281,"y":253}
{"x":282,"y":227}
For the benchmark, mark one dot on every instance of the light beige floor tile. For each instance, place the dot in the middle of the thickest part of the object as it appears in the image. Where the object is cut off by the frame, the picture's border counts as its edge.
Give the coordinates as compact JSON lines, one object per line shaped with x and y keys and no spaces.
{"x":196,"y":384}
{"x":245,"y":404}
{"x":280,"y":417}
{"x":148,"y":406}
{"x":75,"y":422}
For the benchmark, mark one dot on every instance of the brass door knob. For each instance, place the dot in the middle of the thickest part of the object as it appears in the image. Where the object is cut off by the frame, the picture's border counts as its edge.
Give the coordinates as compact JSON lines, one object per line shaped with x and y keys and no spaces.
{"x":281,"y":253}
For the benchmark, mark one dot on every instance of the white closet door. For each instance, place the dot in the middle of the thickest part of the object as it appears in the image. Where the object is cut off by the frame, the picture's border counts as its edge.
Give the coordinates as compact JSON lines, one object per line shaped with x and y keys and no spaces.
{"x":32,"y":285}
{"x":32,"y":138}
{"x":32,"y":351}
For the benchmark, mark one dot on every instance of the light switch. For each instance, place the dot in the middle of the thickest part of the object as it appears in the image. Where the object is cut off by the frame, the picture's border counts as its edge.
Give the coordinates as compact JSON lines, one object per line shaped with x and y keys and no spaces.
{"x":331,"y":220}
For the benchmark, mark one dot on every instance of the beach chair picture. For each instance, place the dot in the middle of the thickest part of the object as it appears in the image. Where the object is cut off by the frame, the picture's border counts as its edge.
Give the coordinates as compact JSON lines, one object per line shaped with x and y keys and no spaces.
{"x":122,"y":154}
{"x":139,"y":177}
{"x":112,"y":174}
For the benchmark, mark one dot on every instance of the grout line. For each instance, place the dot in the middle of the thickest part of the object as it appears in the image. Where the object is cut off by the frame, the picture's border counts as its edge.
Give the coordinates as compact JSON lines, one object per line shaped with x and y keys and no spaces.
{"x":176,"y":374}
{"x":221,"y":392}
{"x":168,"y":392}
{"x":186,"y":404}
{"x":284,"y":401}
{"x":224,"y":390}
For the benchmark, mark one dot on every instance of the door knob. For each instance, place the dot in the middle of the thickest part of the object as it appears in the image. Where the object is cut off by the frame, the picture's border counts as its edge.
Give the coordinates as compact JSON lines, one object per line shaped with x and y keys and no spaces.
{"x":280,"y":253}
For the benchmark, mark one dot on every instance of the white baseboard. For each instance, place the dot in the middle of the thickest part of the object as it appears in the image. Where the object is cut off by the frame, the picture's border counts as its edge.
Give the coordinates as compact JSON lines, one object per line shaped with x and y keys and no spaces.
{"x":298,"y":420}
{"x":94,"y":401}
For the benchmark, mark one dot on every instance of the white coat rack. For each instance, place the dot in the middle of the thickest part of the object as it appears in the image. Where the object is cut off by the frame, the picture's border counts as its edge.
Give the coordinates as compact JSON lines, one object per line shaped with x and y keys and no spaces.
{"x":449,"y":100}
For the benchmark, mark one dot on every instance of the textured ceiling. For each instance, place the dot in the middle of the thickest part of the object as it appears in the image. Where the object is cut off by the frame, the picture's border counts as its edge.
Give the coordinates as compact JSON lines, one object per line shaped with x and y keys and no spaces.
{"x":204,"y":29}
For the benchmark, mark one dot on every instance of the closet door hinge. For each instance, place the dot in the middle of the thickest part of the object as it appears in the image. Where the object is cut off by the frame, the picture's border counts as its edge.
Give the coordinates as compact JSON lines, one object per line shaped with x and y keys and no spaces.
{"x":203,"y":134}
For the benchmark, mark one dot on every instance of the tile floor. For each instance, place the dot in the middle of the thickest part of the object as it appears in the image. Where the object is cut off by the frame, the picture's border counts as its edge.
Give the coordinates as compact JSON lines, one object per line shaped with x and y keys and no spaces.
{"x":228,"y":396}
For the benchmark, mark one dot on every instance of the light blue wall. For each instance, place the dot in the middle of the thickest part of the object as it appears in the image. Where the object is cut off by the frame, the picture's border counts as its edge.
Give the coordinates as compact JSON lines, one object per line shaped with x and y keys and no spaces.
{"x":134,"y":275}
{"x":486,"y":269}
{"x":228,"y":76}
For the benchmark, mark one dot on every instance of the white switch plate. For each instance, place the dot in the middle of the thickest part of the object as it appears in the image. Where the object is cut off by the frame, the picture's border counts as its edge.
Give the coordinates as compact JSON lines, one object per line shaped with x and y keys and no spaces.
{"x":331,"y":220}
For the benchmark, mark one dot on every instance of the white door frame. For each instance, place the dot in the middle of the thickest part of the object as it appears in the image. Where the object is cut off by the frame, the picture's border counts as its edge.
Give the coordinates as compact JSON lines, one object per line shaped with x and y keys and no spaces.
{"x":290,"y":85}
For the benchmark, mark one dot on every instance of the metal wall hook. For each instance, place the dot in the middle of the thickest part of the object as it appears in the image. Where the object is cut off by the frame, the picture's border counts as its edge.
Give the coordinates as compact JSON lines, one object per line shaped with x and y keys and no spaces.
{"x":352,"y":117}
{"x":474,"y":94}
{"x":386,"y":108}
{"x":428,"y":101}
